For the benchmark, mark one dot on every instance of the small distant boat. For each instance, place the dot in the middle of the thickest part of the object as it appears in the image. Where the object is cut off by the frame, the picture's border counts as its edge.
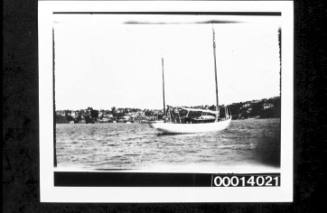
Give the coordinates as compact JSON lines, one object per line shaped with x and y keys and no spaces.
{"x":158,"y":121}
{"x":209,"y":121}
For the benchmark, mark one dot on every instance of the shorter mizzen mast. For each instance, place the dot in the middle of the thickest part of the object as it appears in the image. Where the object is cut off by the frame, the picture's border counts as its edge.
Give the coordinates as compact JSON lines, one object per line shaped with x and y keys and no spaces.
{"x":163,"y":86}
{"x":215,"y":64}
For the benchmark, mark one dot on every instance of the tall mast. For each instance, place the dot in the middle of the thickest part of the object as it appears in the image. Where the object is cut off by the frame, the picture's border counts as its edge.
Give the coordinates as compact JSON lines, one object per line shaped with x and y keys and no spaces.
{"x":216,"y":81}
{"x":163,"y":86}
{"x":54,"y":103}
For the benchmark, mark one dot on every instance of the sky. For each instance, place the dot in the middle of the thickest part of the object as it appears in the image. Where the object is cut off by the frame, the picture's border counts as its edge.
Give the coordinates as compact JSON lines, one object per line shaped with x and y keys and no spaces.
{"x":102,"y":62}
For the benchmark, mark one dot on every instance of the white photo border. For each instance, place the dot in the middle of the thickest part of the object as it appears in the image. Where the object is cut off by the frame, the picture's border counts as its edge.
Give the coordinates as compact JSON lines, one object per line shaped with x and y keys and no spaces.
{"x":51,"y":193}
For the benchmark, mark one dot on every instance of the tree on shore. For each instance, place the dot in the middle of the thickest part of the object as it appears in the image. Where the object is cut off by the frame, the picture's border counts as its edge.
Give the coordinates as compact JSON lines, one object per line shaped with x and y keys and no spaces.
{"x":113,"y":111}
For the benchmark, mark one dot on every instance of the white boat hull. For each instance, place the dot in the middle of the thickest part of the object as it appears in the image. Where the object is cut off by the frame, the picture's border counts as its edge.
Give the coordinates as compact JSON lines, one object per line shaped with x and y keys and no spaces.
{"x":177,"y":128}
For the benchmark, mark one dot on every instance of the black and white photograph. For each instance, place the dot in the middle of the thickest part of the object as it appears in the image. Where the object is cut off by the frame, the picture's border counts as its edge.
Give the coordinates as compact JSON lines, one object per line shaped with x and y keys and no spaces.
{"x":187,"y":101}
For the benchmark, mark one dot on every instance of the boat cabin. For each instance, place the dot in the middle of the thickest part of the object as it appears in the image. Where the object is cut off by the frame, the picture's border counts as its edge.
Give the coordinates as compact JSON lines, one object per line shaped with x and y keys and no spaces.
{"x":191,"y":115}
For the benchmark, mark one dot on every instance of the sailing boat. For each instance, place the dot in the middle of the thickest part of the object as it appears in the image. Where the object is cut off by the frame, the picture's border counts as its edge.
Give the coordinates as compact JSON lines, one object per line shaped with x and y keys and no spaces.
{"x":176,"y":126}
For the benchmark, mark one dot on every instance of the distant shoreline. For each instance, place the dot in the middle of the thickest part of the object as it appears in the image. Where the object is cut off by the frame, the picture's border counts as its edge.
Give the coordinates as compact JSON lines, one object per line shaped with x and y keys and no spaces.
{"x":264,"y":108}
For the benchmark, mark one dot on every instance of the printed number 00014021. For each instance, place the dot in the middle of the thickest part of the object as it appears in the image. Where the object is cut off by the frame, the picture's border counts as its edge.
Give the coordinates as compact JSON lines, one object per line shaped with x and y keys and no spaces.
{"x":246,"y":181}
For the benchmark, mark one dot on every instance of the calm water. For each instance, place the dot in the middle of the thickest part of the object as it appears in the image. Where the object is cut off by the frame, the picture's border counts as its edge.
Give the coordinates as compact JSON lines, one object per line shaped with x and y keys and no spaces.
{"x":137,"y":146}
